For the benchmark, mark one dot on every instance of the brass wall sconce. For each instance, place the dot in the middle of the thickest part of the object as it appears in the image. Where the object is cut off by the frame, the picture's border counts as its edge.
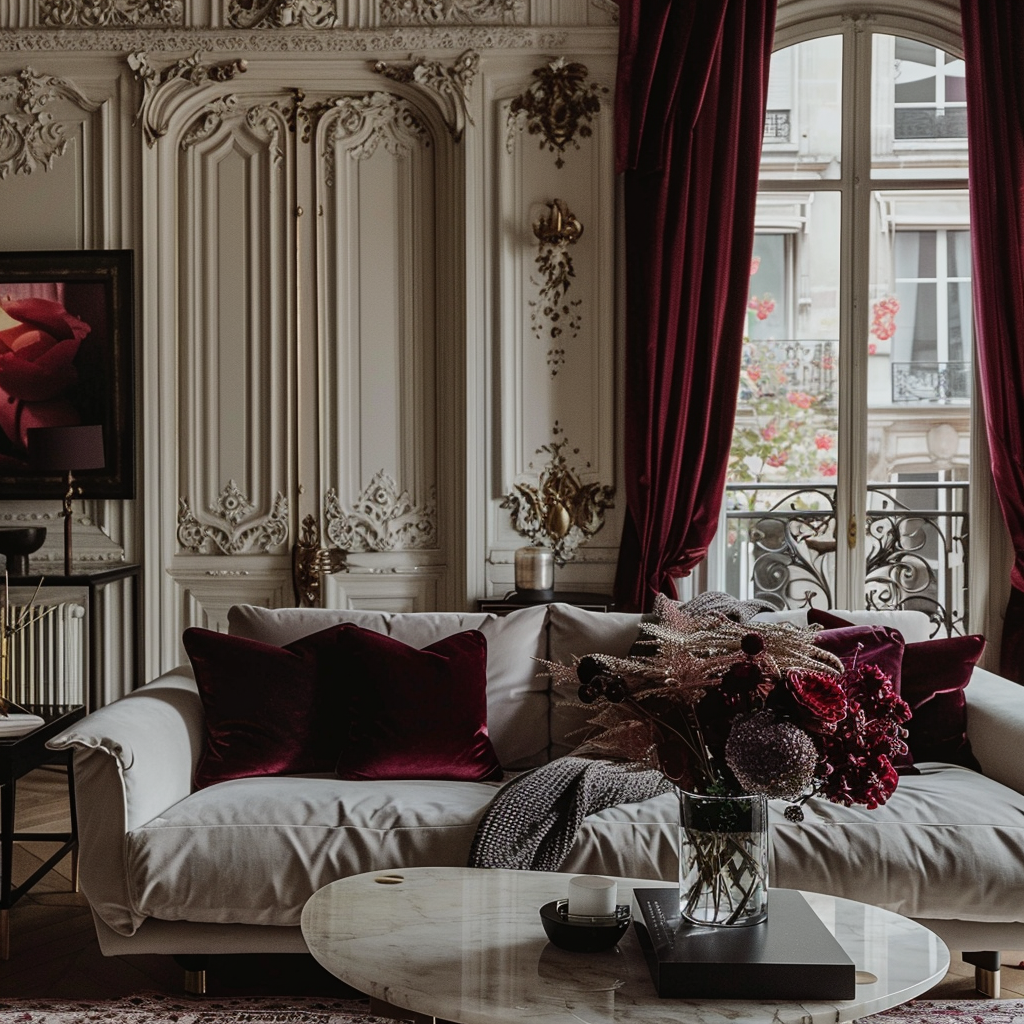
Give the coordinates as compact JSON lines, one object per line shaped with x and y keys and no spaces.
{"x":560,"y":226}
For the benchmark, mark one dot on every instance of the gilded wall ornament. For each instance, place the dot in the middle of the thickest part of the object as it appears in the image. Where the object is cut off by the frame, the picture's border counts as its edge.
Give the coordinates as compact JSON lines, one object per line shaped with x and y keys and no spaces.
{"x":310,"y":561}
{"x":159,"y":87}
{"x":451,"y":12}
{"x":382,"y":519}
{"x":559,"y":512}
{"x":231,"y":525}
{"x":450,"y":85}
{"x":104,"y":13}
{"x":553,"y":313}
{"x":559,"y":107}
{"x":30,"y":135}
{"x":282,"y":13}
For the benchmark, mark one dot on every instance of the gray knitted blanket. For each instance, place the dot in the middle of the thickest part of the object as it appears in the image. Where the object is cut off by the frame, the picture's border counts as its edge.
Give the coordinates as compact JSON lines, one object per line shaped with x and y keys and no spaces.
{"x":533,"y":820}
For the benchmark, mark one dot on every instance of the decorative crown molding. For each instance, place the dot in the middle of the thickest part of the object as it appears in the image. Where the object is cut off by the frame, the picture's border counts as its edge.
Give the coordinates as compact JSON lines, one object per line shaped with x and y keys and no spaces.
{"x":231,"y":525}
{"x":449,"y":86}
{"x":382,"y":519}
{"x":160,"y":87}
{"x":451,"y":12}
{"x":559,"y":107}
{"x":30,"y":137}
{"x":282,"y":13}
{"x":103,"y":13}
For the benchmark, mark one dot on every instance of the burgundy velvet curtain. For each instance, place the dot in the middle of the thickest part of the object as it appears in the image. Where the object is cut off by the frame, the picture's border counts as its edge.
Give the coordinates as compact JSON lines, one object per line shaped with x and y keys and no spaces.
{"x":692,"y":81}
{"x":993,"y":32}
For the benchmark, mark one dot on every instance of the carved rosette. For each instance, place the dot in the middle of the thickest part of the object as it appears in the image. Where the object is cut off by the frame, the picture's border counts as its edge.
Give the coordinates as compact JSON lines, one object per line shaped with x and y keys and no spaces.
{"x":107,"y":13}
{"x":231,"y":526}
{"x":451,"y":12}
{"x":282,"y":13}
{"x":449,"y":86}
{"x":30,"y":135}
{"x":560,"y":511}
{"x":559,"y":107}
{"x":382,"y":519}
{"x":160,"y":88}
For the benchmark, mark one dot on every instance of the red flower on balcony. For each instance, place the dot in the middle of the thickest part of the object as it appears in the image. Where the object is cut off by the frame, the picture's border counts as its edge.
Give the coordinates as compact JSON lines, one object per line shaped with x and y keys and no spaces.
{"x":763,"y":307}
{"x":883,"y":318}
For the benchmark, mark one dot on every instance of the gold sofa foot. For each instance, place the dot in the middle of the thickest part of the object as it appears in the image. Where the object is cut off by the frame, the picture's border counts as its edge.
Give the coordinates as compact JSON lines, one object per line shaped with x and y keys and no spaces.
{"x":195,"y":973}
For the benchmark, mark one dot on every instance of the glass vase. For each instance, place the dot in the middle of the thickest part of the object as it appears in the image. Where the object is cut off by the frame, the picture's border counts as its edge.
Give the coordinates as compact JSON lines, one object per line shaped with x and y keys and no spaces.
{"x":723,"y":859}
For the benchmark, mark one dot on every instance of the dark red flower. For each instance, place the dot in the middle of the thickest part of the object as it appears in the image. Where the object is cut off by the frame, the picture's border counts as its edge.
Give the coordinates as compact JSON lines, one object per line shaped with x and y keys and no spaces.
{"x":820,"y":694}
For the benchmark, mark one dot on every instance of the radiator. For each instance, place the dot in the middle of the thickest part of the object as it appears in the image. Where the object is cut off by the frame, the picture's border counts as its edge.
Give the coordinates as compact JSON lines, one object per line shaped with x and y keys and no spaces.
{"x":48,"y":655}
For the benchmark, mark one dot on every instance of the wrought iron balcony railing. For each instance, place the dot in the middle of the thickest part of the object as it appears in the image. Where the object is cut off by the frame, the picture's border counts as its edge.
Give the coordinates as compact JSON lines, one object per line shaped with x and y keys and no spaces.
{"x":946,"y":383}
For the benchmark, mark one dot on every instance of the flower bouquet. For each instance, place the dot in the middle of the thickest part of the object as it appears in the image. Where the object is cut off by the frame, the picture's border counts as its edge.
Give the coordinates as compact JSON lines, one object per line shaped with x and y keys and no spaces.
{"x":735,"y":714}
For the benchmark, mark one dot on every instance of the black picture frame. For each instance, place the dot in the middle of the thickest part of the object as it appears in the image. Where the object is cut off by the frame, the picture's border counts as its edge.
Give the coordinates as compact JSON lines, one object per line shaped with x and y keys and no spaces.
{"x":75,"y":366}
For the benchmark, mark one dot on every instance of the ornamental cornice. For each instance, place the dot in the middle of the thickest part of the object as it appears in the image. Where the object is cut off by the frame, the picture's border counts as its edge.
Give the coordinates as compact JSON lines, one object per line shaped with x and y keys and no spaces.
{"x":327,"y":41}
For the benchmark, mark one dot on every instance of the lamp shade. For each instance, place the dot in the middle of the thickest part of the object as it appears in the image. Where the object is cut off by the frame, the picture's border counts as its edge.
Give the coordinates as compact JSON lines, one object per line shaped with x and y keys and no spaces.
{"x":64,"y":448}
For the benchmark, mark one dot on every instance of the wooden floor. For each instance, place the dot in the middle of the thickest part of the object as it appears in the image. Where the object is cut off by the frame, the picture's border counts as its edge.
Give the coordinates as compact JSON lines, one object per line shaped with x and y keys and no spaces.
{"x":54,"y":953}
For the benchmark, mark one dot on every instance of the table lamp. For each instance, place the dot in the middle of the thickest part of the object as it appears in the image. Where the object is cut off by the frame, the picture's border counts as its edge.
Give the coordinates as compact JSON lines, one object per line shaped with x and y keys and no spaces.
{"x":66,"y":449}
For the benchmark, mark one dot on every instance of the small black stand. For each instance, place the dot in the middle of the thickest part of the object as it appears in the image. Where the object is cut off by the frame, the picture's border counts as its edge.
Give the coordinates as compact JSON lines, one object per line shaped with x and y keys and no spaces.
{"x":791,"y":955}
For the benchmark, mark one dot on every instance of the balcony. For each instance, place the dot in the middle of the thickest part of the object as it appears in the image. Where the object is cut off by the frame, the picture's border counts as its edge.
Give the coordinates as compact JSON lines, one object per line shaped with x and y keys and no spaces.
{"x":931,"y":383}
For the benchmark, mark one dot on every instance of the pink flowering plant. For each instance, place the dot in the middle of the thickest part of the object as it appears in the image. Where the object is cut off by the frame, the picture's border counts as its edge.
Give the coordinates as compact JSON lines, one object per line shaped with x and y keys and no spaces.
{"x":729,"y":709}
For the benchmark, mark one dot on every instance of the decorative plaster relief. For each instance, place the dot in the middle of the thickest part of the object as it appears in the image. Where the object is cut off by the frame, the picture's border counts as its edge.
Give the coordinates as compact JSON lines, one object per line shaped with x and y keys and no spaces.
{"x":559,"y":512}
{"x":450,"y":86}
{"x":558,"y":107}
{"x":30,"y":137}
{"x":553,"y":313}
{"x":282,"y":13}
{"x":103,"y":13}
{"x":382,"y":519}
{"x":451,"y":12}
{"x":231,"y":525}
{"x":365,"y":122}
{"x":267,"y":121}
{"x":159,"y":88}
{"x":610,"y":8}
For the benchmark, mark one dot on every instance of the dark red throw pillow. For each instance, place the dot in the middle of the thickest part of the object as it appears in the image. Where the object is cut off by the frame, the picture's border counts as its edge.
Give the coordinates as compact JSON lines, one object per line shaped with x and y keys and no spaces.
{"x":260,"y":702}
{"x":876,"y":645}
{"x":414,"y":714}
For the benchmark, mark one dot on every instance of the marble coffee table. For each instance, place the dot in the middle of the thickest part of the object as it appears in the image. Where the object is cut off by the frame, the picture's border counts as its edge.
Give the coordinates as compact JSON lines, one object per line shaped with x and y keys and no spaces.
{"x":467,"y":945}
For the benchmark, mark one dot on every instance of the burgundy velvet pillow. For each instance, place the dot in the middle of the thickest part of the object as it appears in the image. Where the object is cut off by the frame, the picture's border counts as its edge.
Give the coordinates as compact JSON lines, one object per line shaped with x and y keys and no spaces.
{"x":878,"y":645}
{"x":414,"y":714}
{"x":260,"y":702}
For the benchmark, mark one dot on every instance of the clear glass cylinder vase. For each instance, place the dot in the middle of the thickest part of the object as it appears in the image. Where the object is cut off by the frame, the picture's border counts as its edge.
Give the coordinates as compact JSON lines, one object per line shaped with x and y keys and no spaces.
{"x":723,"y":859}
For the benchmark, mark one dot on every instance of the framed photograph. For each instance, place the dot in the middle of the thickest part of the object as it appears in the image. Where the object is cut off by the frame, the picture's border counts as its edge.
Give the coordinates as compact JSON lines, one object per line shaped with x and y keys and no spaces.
{"x":67,"y":358}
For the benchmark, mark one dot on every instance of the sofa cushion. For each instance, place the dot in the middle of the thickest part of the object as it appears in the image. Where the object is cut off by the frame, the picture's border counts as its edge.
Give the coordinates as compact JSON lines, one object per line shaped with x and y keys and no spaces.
{"x":252,"y":851}
{"x":517,"y":695}
{"x":914,"y":625}
{"x":409,"y":713}
{"x":259,"y":704}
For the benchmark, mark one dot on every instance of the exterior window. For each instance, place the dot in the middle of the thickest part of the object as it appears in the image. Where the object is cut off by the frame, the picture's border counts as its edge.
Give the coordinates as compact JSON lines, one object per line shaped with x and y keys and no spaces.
{"x":930,"y":93}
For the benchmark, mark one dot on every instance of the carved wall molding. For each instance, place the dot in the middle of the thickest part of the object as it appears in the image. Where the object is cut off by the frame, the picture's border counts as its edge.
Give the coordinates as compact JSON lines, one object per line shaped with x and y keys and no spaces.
{"x":553,"y":313}
{"x":30,"y":136}
{"x":231,"y":525}
{"x":451,"y":12}
{"x":365,"y":122}
{"x":268,"y":121}
{"x":381,"y":519}
{"x":559,"y":511}
{"x":447,"y":85}
{"x":559,"y":107}
{"x":410,"y":39}
{"x":103,"y":13}
{"x":159,"y":88}
{"x":282,"y":13}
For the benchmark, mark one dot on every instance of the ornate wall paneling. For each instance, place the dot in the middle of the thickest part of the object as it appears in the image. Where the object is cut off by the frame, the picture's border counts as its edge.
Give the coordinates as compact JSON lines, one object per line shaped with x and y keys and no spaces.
{"x":555,"y":419}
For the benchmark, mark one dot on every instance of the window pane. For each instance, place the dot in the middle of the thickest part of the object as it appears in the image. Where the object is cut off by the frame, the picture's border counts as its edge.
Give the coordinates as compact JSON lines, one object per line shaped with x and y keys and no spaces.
{"x":919,"y":113}
{"x":803,"y":122}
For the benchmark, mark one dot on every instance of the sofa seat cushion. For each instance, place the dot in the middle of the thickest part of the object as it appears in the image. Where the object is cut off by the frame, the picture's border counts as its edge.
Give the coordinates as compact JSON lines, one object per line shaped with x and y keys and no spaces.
{"x":252,"y":851}
{"x":948,"y":845}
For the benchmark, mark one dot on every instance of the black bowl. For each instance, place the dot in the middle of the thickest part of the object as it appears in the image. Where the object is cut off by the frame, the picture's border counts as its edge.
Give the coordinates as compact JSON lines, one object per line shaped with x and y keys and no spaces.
{"x":17,"y":543}
{"x":583,"y":934}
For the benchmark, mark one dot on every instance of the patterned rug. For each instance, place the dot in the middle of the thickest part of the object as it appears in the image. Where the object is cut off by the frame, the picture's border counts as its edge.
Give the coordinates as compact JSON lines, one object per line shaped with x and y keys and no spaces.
{"x":157,"y":1009}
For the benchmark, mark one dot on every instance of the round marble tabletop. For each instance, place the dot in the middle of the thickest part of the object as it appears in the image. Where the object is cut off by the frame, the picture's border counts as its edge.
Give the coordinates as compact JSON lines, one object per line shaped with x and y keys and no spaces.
{"x":467,"y":945}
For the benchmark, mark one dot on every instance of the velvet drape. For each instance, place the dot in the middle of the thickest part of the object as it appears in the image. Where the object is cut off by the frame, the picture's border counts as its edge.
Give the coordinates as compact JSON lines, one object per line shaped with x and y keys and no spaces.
{"x":690,"y":99}
{"x":993,"y":33}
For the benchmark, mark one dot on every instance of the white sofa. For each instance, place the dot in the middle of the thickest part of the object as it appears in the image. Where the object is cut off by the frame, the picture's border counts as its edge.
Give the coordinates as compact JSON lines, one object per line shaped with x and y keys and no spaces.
{"x":227,"y":869}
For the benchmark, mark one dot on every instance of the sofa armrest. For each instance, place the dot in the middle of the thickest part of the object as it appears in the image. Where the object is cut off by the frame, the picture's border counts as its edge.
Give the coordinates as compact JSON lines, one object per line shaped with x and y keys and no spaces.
{"x":995,"y":726}
{"x":133,"y":759}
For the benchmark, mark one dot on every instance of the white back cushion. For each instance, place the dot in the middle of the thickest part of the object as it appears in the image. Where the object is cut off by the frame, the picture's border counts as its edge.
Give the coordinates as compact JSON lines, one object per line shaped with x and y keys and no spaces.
{"x":914,"y":626}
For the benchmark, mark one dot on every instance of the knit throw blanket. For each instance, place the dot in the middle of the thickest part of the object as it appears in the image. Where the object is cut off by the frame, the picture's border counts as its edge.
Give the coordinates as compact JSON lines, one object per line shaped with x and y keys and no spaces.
{"x":533,"y":820}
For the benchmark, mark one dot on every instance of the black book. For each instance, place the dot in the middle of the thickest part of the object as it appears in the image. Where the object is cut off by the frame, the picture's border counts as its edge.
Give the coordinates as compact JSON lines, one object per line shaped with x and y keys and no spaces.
{"x":791,"y":955}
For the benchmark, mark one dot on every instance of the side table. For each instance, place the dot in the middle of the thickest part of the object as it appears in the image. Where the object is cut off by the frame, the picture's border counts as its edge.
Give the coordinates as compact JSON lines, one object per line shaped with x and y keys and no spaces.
{"x":18,"y":756}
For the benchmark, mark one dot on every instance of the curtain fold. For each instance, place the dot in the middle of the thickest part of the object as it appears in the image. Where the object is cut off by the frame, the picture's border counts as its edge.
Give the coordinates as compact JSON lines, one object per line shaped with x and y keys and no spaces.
{"x":691,"y":89}
{"x":993,"y":33}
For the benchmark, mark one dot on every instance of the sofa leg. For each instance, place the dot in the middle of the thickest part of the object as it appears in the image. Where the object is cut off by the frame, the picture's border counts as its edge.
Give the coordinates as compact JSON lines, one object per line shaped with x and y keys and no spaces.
{"x":986,"y":972}
{"x":195,"y":973}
